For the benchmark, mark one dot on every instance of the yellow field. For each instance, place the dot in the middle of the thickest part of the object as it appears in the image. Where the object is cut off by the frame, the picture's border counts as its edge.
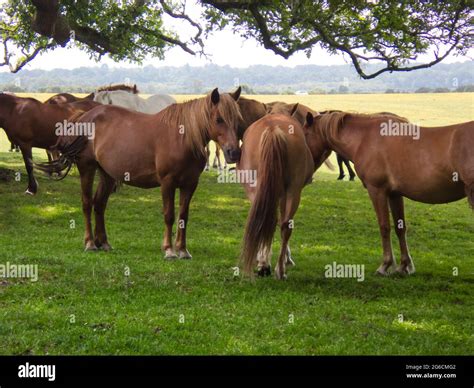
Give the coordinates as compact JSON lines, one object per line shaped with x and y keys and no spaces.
{"x":422,"y":109}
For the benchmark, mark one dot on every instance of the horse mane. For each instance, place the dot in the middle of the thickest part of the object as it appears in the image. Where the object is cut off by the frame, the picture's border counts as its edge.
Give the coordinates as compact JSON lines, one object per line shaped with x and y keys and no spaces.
{"x":110,"y":88}
{"x":331,"y":122}
{"x":193,"y":117}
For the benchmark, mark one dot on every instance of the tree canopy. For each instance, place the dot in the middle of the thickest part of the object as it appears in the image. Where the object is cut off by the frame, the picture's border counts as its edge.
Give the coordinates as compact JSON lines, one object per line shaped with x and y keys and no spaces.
{"x":391,"y":33}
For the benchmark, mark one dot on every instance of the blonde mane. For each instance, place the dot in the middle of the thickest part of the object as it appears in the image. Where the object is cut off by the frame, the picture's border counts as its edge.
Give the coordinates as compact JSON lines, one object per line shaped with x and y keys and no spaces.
{"x":193,"y":117}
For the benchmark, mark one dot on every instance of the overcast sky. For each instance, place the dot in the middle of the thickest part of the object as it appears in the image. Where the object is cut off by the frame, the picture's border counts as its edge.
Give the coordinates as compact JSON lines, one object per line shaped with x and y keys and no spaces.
{"x":225,"y":49}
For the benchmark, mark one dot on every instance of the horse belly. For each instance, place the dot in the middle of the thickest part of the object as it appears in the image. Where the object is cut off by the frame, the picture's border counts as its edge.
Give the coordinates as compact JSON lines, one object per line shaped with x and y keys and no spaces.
{"x":435,"y":193}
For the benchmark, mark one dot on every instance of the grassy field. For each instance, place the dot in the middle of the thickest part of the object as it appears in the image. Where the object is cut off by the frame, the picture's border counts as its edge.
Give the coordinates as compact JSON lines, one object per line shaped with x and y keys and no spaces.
{"x":131,"y":301}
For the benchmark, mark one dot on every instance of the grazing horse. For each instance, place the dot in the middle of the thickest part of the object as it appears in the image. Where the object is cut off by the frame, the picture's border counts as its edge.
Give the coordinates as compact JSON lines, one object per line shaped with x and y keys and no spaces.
{"x":165,"y":149}
{"x":30,"y":123}
{"x":151,"y":105}
{"x":388,"y":153}
{"x":275,"y":148}
{"x":67,"y":97}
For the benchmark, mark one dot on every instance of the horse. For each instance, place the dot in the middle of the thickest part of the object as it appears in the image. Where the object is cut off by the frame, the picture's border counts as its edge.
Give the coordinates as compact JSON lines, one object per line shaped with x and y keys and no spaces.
{"x":387,"y":152}
{"x":251,"y":110}
{"x":162,"y":150}
{"x":68,"y":97}
{"x":31,"y":123}
{"x":275,"y":148}
{"x":151,"y":105}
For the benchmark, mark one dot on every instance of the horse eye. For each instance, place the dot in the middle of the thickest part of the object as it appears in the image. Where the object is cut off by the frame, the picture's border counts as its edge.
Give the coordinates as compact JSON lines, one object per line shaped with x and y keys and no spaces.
{"x":220,"y":120}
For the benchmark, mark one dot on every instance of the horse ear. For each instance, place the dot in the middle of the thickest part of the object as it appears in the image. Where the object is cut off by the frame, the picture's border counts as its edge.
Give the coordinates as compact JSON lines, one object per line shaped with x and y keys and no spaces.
{"x":294,"y":109}
{"x":236,"y":94}
{"x":309,"y":119}
{"x":215,"y":97}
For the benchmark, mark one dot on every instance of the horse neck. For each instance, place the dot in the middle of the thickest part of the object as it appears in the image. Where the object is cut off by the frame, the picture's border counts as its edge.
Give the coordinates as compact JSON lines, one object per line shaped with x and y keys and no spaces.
{"x":7,"y":103}
{"x":347,"y":139}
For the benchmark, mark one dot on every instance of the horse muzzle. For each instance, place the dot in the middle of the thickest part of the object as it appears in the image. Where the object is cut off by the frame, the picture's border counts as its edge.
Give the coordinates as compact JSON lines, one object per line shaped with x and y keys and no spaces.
{"x":231,"y":154}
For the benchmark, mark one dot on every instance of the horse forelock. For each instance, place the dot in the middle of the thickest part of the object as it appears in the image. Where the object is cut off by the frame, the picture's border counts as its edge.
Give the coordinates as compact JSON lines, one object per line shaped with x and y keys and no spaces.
{"x":229,"y":110}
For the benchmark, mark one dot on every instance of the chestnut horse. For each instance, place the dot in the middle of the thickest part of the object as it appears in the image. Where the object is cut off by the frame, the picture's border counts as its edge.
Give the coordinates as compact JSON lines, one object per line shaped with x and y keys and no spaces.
{"x":251,"y":110}
{"x":165,"y":149}
{"x":275,"y":148}
{"x":30,"y":123}
{"x":388,"y":153}
{"x":68,"y":97}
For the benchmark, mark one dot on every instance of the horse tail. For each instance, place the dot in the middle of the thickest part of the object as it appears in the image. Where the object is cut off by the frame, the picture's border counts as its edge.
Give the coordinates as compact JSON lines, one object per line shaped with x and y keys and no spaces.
{"x":262,"y":218}
{"x":329,"y":164}
{"x":70,"y":147}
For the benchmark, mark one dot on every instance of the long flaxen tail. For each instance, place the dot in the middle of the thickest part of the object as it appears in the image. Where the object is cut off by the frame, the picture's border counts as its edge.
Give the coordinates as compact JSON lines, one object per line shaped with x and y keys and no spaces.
{"x":70,"y":147}
{"x":262,"y":218}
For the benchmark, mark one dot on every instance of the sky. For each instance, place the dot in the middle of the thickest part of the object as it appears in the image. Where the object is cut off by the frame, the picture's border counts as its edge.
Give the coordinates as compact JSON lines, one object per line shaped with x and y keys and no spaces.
{"x":224,"y":48}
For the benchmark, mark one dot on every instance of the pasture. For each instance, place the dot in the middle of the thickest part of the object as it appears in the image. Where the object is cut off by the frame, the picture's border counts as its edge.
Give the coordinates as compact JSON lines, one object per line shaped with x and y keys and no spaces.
{"x":131,"y":301}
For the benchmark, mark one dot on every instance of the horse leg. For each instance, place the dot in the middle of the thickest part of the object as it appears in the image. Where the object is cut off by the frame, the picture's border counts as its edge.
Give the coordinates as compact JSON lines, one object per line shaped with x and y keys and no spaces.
{"x":208,"y":154}
{"x":398,"y":213}
{"x":291,"y":205}
{"x":185,"y":195}
{"x":12,"y":147}
{"x":349,"y":169}
{"x":28,"y":159}
{"x":264,"y":265}
{"x":104,"y":189}
{"x":218,"y":157}
{"x":87,"y":172}
{"x":470,"y":194}
{"x":289,"y":258}
{"x":340,"y":161}
{"x":168,"y":189}
{"x":380,"y":203}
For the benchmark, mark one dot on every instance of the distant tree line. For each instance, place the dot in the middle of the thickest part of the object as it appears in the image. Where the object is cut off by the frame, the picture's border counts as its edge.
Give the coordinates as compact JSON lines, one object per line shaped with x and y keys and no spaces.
{"x":256,"y":79}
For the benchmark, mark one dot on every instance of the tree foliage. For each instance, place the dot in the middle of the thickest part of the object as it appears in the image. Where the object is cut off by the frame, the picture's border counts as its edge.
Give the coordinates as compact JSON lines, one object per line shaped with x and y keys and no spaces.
{"x":391,"y":33}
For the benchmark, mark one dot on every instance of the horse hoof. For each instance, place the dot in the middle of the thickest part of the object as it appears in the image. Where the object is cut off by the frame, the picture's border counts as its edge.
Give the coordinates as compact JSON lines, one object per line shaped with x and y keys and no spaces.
{"x":264,"y":272}
{"x":289,"y":261}
{"x":184,"y":254}
{"x":280,"y":276}
{"x":90,"y":247}
{"x":405,"y":270}
{"x":106,"y":247}
{"x":352,"y":178}
{"x":29,"y":192}
{"x":170,"y":255}
{"x":382,"y":272}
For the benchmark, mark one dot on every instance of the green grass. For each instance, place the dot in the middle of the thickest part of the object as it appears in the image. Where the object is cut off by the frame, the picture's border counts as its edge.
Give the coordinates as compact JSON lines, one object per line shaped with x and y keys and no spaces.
{"x":223,"y":314}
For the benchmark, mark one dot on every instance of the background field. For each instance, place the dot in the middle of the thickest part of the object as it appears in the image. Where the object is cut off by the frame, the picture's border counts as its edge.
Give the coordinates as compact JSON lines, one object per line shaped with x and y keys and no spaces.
{"x":84,"y":304}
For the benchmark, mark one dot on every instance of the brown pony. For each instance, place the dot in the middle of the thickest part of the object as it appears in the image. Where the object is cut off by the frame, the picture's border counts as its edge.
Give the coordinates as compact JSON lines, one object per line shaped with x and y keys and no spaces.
{"x":165,"y":149}
{"x":67,"y":97}
{"x":30,"y":123}
{"x":251,"y":110}
{"x":387,"y":152}
{"x":275,"y":148}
